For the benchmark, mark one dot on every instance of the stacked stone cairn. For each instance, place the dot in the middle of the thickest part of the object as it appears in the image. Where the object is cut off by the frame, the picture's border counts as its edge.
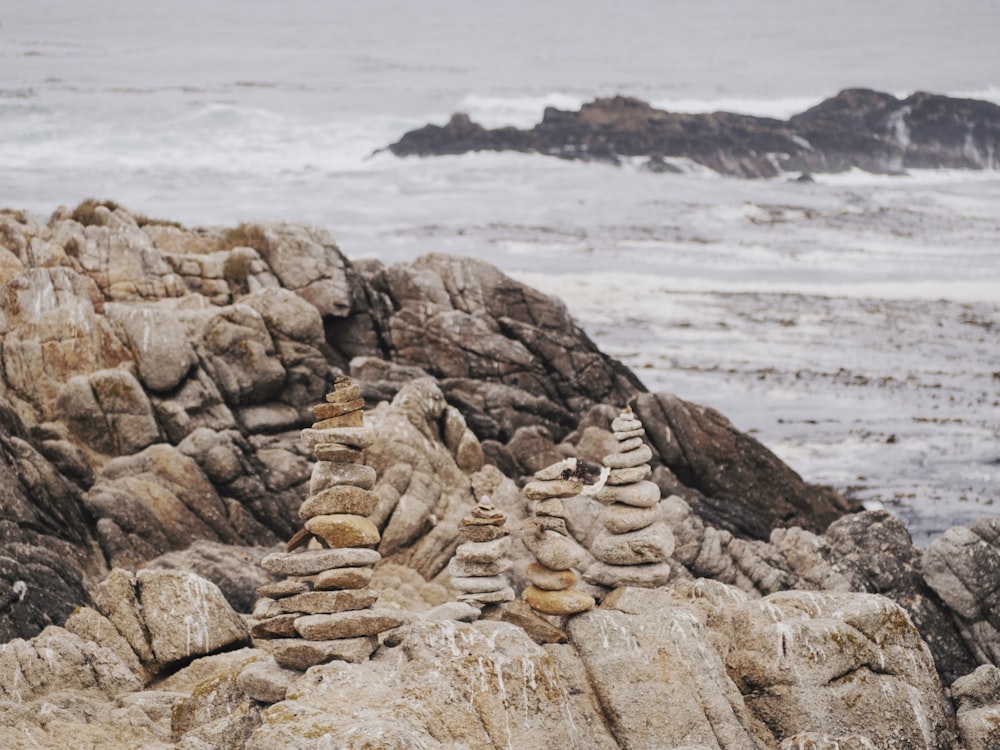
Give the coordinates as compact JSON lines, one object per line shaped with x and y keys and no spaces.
{"x":634,"y":546}
{"x":323,"y":609}
{"x":552,"y":577}
{"x":481,"y":557}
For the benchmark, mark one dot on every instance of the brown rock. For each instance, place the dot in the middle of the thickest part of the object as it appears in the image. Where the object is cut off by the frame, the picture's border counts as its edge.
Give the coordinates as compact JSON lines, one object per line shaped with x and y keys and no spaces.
{"x":543,"y":490}
{"x":355,"y":437}
{"x":538,"y":628}
{"x":619,"y":518}
{"x":565,"y":602}
{"x":343,"y":578}
{"x":353,"y":624}
{"x":344,"y":530}
{"x":325,"y":602}
{"x":279,"y":626}
{"x":336,"y":409}
{"x":326,"y":474}
{"x":553,"y":507}
{"x":282,"y":588}
{"x":314,"y":561}
{"x":553,"y":550}
{"x":296,"y":653}
{"x":630,"y":475}
{"x":350,"y":419}
{"x":347,"y":393}
{"x":650,"y":575}
{"x":481,"y":533}
{"x":641,"y":494}
{"x":652,"y":544}
{"x":548,"y":579}
{"x":338,"y":500}
{"x":336,"y":453}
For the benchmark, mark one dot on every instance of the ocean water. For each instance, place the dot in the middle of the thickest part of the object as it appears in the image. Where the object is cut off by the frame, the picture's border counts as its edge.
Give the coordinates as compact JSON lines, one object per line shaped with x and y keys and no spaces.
{"x":850,"y":324}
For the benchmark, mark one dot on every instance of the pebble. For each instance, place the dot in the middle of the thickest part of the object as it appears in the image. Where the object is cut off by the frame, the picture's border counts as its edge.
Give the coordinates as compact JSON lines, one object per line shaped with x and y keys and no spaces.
{"x":506,"y":594}
{"x":553,"y":550}
{"x":565,"y":602}
{"x":282,"y":588}
{"x":619,"y":518}
{"x":543,"y":490}
{"x":343,"y":578}
{"x":278,"y":626}
{"x":481,"y":533}
{"x":336,"y":453}
{"x":296,"y":653}
{"x":337,"y":408}
{"x":355,"y":437}
{"x":266,"y":681}
{"x":342,"y":499}
{"x":629,"y":445}
{"x":625,"y":423}
{"x":347,"y":391}
{"x":316,"y":602}
{"x":640,"y":455}
{"x":548,"y":579}
{"x":352,"y":624}
{"x":630,"y":475}
{"x":553,"y":507}
{"x":483,"y":551}
{"x":647,"y":576}
{"x":629,"y":434}
{"x":644,"y":494}
{"x":652,"y":544}
{"x":313,"y":561}
{"x":478,"y":584}
{"x":344,"y":530}
{"x":326,"y":474}
{"x":462,"y":568}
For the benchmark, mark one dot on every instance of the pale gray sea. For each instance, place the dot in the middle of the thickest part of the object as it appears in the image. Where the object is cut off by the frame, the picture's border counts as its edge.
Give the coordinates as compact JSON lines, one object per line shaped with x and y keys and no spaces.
{"x":852,"y":325}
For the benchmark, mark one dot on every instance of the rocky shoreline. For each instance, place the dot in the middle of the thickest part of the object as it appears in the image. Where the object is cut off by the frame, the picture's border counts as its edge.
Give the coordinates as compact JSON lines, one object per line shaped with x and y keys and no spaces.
{"x":857,"y":128}
{"x":156,"y":382}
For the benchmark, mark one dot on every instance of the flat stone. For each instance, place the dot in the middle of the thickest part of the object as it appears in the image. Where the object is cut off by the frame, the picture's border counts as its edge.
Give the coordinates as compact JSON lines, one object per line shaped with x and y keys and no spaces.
{"x":464,"y":568}
{"x":336,"y":453}
{"x":538,"y":628}
{"x":640,"y":455}
{"x":343,"y":578}
{"x":619,"y":518}
{"x":300,"y":654}
{"x":266,"y":607}
{"x":326,"y":474}
{"x":483,"y":552}
{"x":481,"y":533}
{"x":283,"y":588}
{"x":478,"y":584}
{"x":629,"y":434}
{"x":344,"y":530}
{"x":631,"y":475}
{"x":652,"y":544}
{"x":266,"y":681}
{"x":558,"y":470}
{"x":553,"y":550}
{"x":337,"y":408}
{"x":553,"y":507}
{"x":353,"y":624}
{"x":543,"y":490}
{"x":313,"y":561}
{"x":629,"y":444}
{"x":494,"y":521}
{"x":548,"y":579}
{"x":347,"y":393}
{"x":325,"y":602}
{"x":506,"y":594}
{"x":625,"y":424}
{"x":279,"y":626}
{"x":350,"y":419}
{"x":565,"y":602}
{"x":336,"y":500}
{"x":652,"y":575}
{"x":643,"y":494}
{"x":355,"y":437}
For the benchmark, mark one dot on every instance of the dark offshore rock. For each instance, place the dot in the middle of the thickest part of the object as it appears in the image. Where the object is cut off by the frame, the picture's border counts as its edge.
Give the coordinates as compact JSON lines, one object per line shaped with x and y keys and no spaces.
{"x":857,"y":128}
{"x":744,"y":487}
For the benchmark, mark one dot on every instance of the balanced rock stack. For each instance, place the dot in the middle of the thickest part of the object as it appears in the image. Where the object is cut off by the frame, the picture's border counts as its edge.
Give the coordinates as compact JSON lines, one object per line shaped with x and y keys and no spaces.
{"x":323,"y":609}
{"x":481,"y":559}
{"x":633,"y":547}
{"x":552,"y":577}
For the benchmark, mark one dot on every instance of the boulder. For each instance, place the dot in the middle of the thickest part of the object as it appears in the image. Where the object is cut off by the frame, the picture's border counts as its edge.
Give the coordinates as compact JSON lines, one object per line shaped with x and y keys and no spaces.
{"x":977,"y":699}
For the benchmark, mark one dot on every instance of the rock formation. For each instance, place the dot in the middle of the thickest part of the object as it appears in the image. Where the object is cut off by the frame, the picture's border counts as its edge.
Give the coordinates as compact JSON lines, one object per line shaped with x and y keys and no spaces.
{"x":481,"y":557}
{"x":323,"y":609}
{"x":553,"y":576}
{"x":857,"y":128}
{"x":634,"y":547}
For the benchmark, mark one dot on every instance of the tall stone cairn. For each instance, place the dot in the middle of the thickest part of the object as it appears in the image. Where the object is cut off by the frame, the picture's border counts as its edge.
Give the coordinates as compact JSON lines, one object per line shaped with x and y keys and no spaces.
{"x":633,"y":547}
{"x":323,"y":609}
{"x":552,"y":577}
{"x":481,"y":557}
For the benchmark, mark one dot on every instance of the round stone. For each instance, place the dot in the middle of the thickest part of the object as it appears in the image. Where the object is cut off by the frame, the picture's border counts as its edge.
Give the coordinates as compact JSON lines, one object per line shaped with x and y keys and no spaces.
{"x":313,"y":561}
{"x":343,"y":578}
{"x":339,"y":500}
{"x":651,"y":575}
{"x":548,"y":579}
{"x":326,"y":474}
{"x":553,"y":550}
{"x":619,"y":518}
{"x":344,"y":530}
{"x":543,"y":490}
{"x":631,"y":475}
{"x":643,"y":494}
{"x":625,"y":423}
{"x":652,"y":544}
{"x":640,"y":455}
{"x":565,"y":602}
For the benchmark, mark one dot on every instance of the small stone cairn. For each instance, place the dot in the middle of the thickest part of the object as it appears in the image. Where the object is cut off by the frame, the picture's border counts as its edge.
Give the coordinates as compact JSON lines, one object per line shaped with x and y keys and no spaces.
{"x":323,"y":609}
{"x":552,"y":577}
{"x":481,"y":558}
{"x":633,"y":547}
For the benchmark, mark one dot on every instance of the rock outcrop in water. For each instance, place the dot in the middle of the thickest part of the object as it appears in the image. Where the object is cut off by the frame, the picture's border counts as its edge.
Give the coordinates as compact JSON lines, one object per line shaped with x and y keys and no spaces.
{"x":858,"y":128}
{"x":155,"y":383}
